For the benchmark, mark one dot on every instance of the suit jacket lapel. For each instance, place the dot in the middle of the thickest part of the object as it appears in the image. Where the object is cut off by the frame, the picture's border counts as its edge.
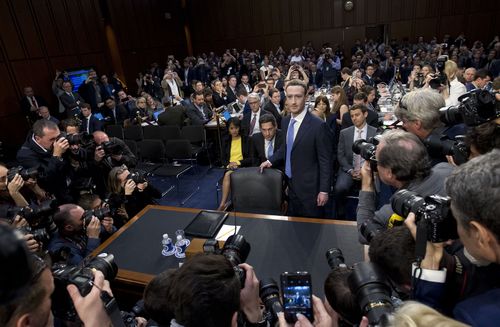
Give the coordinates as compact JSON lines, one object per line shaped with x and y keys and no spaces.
{"x":302,"y":129}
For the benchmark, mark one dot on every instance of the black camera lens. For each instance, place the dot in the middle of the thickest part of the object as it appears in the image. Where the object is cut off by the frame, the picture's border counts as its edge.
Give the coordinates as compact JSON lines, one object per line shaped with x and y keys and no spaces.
{"x":451,"y":115}
{"x":236,"y":249}
{"x":372,"y":290}
{"x":403,"y":202}
{"x":270,"y":295}
{"x":335,"y":258}
{"x":105,"y":263}
{"x":368,"y":230}
{"x":364,"y":149}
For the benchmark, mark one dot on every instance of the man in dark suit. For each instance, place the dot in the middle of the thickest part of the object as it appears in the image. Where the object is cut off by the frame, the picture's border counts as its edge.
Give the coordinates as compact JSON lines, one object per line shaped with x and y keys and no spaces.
{"x":369,"y":78}
{"x":269,"y":140}
{"x":315,"y":76}
{"x":360,"y":98}
{"x":231,"y":89}
{"x":187,"y":75}
{"x":90,"y":123}
{"x":307,"y":155}
{"x":350,"y":163}
{"x":44,"y":113}
{"x":197,"y":111}
{"x":30,"y":103}
{"x":250,"y":122}
{"x":172,"y":116}
{"x":90,"y":90}
{"x":70,"y":100}
{"x":114,"y":114}
{"x":274,"y":104}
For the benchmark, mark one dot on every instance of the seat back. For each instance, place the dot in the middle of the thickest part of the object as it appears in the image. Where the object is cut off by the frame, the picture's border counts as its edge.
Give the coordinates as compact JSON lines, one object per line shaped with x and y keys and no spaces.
{"x":170,"y":133}
{"x":253,"y":191}
{"x":152,"y":132}
{"x":115,"y":131}
{"x":132,"y":145}
{"x":194,"y":133}
{"x":133,"y":132}
{"x":178,"y":149}
{"x":151,"y":150}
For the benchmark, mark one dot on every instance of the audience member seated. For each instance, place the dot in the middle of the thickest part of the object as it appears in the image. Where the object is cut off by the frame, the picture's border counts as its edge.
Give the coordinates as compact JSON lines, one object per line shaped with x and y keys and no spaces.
{"x":126,"y":100}
{"x":31,"y":103}
{"x":44,"y":113}
{"x":197,"y":111}
{"x":90,"y":123}
{"x":235,"y":153}
{"x":455,"y":89}
{"x":76,"y":238}
{"x":481,"y":78}
{"x":340,"y":103}
{"x":117,"y":114}
{"x":402,"y":162}
{"x":372,"y":117}
{"x":172,"y":115}
{"x":133,"y":196}
{"x":70,"y":100}
{"x":269,"y":140}
{"x":350,"y":163}
{"x":44,"y":149}
{"x":274,"y":105}
{"x":250,"y":122}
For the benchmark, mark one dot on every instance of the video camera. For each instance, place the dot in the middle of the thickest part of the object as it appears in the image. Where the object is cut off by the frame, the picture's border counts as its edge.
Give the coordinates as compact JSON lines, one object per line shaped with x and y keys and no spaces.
{"x":434,"y":210}
{"x":82,"y":277}
{"x":476,"y":107}
{"x":439,"y":78}
{"x":24,"y":173}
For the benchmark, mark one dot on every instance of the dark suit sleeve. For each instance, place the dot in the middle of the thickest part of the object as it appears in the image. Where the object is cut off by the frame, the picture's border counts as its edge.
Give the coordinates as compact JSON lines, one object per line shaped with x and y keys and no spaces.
{"x":28,"y":159}
{"x":341,"y":154}
{"x":192,"y":115}
{"x":128,"y":157}
{"x":254,"y":152}
{"x":247,"y":146}
{"x":324,"y":149}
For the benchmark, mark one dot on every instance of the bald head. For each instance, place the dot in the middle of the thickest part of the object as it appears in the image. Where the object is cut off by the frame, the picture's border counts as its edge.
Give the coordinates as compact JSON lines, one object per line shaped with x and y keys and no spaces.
{"x":100,"y":137}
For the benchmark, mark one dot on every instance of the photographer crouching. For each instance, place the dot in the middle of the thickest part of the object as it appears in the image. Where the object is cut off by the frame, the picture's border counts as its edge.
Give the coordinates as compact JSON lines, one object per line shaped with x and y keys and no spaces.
{"x":476,"y":216}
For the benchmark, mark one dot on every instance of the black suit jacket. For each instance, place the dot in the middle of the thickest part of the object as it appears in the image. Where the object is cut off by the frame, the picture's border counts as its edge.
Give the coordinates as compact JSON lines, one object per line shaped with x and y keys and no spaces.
{"x":316,"y":80}
{"x":70,"y":102}
{"x":26,"y":106}
{"x":247,"y":119}
{"x":121,"y":113}
{"x":94,"y":124}
{"x":269,"y":107}
{"x":195,"y":115}
{"x":246,"y":150}
{"x":173,"y":116}
{"x":231,"y":96}
{"x":311,"y":157}
{"x":259,"y":147}
{"x":372,"y":119}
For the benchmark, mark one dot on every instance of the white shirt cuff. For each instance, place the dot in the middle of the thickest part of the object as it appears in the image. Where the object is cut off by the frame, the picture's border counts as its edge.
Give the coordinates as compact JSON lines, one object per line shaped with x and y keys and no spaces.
{"x":435,"y":276}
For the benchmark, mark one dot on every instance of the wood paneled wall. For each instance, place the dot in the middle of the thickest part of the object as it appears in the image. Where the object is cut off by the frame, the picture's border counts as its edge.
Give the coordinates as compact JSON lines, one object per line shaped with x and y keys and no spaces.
{"x":39,"y":36}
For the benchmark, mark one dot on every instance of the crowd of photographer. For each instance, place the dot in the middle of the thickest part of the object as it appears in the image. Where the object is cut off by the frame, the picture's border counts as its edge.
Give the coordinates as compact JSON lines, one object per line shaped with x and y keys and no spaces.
{"x":436,"y":241}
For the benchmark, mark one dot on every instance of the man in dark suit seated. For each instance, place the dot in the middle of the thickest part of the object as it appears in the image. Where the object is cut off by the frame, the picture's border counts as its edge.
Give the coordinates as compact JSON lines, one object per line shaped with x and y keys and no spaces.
{"x":231,"y":88}
{"x":44,"y":113}
{"x":307,"y":155}
{"x":114,"y":114}
{"x":197,"y":111}
{"x":371,"y":118}
{"x":90,"y":123}
{"x":31,"y":103}
{"x":173,"y":115}
{"x":269,"y":140}
{"x":350,"y":163}
{"x":370,"y":78}
{"x":274,"y":105}
{"x":70,"y":100}
{"x":250,"y":122}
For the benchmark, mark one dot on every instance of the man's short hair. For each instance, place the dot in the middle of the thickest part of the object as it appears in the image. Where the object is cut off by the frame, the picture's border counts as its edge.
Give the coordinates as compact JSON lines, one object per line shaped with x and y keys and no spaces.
{"x":254,"y":95}
{"x":474,"y":189}
{"x":155,"y":300}
{"x":87,"y":200}
{"x":366,"y":89}
{"x":198,"y":93}
{"x":42,"y":124}
{"x":405,"y":155}
{"x":360,"y":96}
{"x":267,"y":118}
{"x":273,"y":90}
{"x":110,"y":98}
{"x":393,"y":250}
{"x":346,"y":70}
{"x":339,"y":295}
{"x":484,"y":137}
{"x":422,"y":105}
{"x":63,"y":215}
{"x":297,"y":82}
{"x":205,"y":292}
{"x":361,"y":107}
{"x":69,"y":122}
{"x":241,"y":91}
{"x":481,"y":73}
{"x":86,"y":106}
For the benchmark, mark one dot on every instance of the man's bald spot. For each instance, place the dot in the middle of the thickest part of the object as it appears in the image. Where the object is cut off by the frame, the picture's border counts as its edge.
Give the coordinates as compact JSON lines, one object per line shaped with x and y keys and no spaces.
{"x":100,"y":137}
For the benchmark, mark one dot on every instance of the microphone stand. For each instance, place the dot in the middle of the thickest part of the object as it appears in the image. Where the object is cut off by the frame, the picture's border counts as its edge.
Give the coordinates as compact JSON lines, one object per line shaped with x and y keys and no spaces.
{"x":219,"y":140}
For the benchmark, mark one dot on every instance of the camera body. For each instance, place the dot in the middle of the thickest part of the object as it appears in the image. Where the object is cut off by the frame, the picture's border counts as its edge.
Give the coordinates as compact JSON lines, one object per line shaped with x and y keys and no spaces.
{"x":438,"y":145}
{"x":82,"y":277}
{"x":138,"y":176}
{"x":39,"y":234}
{"x":236,"y":250}
{"x":111,"y":148}
{"x":24,"y":173}
{"x":476,"y":107}
{"x":433,"y":209}
{"x":100,"y":214}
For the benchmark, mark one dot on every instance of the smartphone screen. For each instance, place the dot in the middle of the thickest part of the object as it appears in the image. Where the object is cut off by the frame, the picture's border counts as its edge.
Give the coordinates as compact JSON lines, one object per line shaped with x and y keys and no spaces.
{"x":296,"y":291}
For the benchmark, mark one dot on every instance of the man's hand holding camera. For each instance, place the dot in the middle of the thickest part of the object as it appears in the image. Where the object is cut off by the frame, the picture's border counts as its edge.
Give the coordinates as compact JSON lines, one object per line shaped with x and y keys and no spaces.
{"x":60,"y":147}
{"x":366,"y":177}
{"x":107,"y":223}
{"x":15,"y":185}
{"x":129,"y":187}
{"x":94,"y":228}
{"x":99,"y":154}
{"x":249,"y":295}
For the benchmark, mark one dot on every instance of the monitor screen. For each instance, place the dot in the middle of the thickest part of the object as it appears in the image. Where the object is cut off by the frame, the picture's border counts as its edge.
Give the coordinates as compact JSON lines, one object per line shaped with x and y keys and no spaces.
{"x":77,"y":76}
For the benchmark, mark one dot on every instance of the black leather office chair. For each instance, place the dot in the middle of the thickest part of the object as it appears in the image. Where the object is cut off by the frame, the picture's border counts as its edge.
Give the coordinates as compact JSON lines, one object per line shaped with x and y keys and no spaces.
{"x":255,"y":192}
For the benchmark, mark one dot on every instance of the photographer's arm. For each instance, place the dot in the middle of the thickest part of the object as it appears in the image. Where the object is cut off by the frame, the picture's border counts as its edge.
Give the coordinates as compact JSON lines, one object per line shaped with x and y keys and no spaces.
{"x":14,"y":188}
{"x":249,"y":295}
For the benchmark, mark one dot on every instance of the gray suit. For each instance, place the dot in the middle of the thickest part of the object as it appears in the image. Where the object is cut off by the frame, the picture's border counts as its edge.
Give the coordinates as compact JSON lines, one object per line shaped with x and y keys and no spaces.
{"x":196,"y":116}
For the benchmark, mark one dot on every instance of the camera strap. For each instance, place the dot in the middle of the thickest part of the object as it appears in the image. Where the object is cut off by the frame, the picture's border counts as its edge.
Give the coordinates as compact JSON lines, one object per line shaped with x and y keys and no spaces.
{"x":112,"y":309}
{"x":421,"y":240}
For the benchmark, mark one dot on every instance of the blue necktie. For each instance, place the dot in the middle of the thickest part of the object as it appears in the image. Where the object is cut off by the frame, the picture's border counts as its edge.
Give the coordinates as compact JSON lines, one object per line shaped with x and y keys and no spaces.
{"x":270,"y":150}
{"x":289,"y":145}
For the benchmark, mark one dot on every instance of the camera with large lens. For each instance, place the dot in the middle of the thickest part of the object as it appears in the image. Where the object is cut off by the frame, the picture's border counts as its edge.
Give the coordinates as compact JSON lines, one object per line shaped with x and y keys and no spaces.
{"x":442,"y":145}
{"x":111,"y":148}
{"x":366,"y":148}
{"x":100,"y":214}
{"x":82,"y":277}
{"x":36,"y":215}
{"x":372,"y":290}
{"x":236,"y":250}
{"x":270,"y":295}
{"x":24,"y":173}
{"x":335,"y":258}
{"x":138,"y":176}
{"x":433,"y":209}
{"x":83,"y":139}
{"x":440,"y":77}
{"x":39,"y":234}
{"x":476,"y":107}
